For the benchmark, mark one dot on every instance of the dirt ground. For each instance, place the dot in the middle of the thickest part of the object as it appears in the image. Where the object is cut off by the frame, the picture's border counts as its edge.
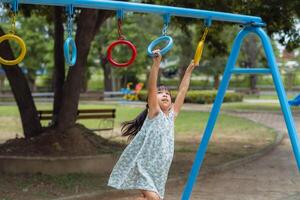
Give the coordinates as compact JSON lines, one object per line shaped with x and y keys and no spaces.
{"x":75,"y":141}
{"x":44,"y":187}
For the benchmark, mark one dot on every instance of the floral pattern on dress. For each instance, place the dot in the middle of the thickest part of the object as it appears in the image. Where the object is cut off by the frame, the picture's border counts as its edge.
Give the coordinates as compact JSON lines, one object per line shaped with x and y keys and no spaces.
{"x":145,"y":162}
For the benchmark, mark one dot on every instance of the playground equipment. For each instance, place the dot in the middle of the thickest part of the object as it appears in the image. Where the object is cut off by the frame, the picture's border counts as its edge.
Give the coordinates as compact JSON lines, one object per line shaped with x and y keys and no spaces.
{"x":70,"y":60}
{"x":130,"y":94}
{"x":12,"y":36}
{"x":251,"y":24}
{"x":200,"y":46}
{"x":162,"y":38}
{"x":121,"y":40}
{"x":295,"y":101}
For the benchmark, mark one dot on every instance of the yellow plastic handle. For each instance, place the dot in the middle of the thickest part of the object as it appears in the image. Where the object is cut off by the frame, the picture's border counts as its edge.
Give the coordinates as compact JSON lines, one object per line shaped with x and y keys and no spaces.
{"x":21,"y":44}
{"x":198,"y":53}
{"x":199,"y":49}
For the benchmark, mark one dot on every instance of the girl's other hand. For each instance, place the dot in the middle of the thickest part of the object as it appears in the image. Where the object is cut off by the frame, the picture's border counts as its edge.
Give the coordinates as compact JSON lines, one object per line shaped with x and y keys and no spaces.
{"x":157,"y":56}
{"x":191,"y":66}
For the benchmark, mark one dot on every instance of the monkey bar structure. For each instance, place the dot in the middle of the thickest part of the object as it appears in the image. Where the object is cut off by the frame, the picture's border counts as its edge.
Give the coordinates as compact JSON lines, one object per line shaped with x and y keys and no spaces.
{"x":251,"y":24}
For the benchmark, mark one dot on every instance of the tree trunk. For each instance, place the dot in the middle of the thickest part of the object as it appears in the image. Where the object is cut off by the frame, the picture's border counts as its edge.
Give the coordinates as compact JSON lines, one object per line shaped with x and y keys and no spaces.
{"x":107,"y":74}
{"x":29,"y":116}
{"x":251,"y":51}
{"x":2,"y":78}
{"x":31,"y":80}
{"x":59,"y":63}
{"x":84,"y":86}
{"x":216,"y":81}
{"x":32,"y":85}
{"x":253,"y":83}
{"x":88,"y":25}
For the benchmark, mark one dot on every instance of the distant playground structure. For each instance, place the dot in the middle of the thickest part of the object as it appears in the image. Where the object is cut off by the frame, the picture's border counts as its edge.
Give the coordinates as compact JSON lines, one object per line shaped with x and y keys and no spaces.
{"x":295,"y":101}
{"x":132,"y":94}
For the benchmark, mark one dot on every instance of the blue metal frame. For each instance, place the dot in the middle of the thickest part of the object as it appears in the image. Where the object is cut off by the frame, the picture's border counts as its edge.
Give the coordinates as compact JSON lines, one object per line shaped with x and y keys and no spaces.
{"x":250,"y":71}
{"x":273,"y":69}
{"x":14,"y":5}
{"x":253,"y":25}
{"x":149,"y":8}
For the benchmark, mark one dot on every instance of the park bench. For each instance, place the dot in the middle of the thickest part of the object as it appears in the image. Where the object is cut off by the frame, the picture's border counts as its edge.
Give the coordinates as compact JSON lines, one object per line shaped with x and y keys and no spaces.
{"x":106,"y":117}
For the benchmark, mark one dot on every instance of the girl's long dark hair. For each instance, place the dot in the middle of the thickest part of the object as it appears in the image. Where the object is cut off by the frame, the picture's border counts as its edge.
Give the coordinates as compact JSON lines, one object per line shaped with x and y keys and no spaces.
{"x":132,"y":127}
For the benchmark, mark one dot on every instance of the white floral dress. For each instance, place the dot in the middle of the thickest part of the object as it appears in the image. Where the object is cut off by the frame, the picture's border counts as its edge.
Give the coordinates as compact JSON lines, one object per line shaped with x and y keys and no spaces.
{"x":145,"y":162}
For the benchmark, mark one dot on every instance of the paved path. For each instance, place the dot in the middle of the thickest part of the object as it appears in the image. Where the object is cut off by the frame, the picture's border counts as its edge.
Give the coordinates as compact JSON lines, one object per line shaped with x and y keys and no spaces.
{"x":272,"y":177}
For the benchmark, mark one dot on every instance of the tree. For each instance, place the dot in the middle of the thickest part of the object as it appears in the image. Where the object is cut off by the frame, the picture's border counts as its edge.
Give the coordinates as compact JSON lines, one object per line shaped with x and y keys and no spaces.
{"x":68,"y":110}
{"x":59,"y":63}
{"x":88,"y":20}
{"x":251,"y":53}
{"x":20,"y":88}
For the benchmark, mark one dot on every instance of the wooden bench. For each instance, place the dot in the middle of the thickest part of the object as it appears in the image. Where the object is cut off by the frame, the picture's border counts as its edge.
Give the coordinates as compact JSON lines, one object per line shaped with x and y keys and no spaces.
{"x":106,"y":117}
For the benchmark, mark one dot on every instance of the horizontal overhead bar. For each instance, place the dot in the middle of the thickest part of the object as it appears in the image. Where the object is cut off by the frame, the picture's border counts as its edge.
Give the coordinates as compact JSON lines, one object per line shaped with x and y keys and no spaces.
{"x":251,"y":71}
{"x":149,"y":8}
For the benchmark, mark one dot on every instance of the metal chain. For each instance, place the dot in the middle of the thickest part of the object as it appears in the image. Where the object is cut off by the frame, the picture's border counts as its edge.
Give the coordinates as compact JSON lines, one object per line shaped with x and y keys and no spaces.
{"x":121,"y":36}
{"x":13,"y":23}
{"x":2,"y":8}
{"x":70,"y":25}
{"x":165,"y":28}
{"x":205,"y":33}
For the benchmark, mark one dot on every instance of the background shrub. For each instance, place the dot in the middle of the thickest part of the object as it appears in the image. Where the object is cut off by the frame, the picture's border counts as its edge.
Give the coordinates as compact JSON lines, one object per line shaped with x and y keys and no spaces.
{"x":200,"y":96}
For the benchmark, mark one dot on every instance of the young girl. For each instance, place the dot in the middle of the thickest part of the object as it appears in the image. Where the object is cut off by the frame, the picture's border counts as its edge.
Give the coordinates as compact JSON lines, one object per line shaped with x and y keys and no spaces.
{"x":145,"y":162}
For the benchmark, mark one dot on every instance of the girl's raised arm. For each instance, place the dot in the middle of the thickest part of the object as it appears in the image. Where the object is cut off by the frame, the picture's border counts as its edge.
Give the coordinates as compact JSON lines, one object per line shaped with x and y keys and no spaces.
{"x":152,"y":86}
{"x":183,"y":88}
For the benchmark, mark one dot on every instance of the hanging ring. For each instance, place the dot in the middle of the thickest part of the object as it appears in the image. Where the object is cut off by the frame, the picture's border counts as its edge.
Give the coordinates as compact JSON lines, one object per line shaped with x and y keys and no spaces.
{"x":20,"y":43}
{"x":157,"y":41}
{"x":124,"y":42}
{"x":164,"y":38}
{"x":70,"y":60}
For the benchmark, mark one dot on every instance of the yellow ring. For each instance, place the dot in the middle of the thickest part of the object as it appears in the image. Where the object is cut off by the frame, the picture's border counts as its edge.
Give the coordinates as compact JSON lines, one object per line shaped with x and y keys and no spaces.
{"x":21,"y":44}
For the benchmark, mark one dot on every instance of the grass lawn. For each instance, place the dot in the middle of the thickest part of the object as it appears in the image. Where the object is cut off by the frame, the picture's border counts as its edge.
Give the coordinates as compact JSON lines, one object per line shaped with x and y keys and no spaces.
{"x":233,"y":138}
{"x":187,"y":123}
{"x":275,"y":107}
{"x":267,"y":96}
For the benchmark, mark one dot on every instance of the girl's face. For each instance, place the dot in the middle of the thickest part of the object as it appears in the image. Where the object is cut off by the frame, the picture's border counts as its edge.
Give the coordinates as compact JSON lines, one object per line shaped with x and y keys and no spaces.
{"x":164,"y":99}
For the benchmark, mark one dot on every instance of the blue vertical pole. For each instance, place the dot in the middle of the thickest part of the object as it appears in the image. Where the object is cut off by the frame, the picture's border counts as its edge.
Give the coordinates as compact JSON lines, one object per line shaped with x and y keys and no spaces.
{"x":213,"y":115}
{"x":288,"y":117}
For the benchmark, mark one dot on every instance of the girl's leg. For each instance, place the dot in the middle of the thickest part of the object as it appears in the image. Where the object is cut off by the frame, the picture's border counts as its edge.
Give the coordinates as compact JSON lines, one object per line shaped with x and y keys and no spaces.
{"x":142,"y":196}
{"x":149,"y":195}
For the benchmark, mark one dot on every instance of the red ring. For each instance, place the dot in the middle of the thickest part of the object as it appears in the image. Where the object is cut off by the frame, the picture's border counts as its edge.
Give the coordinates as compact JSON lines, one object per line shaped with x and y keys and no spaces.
{"x":126,"y":42}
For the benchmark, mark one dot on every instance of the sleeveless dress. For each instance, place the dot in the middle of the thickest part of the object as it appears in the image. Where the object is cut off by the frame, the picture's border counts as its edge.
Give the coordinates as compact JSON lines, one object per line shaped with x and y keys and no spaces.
{"x":145,"y":162}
